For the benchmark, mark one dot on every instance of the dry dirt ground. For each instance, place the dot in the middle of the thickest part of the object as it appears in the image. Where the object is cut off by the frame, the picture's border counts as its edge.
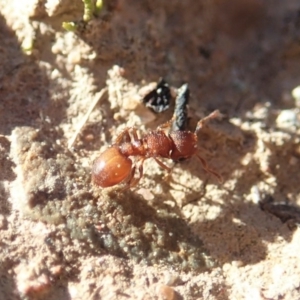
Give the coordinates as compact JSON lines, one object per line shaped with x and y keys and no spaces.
{"x":184,"y":238}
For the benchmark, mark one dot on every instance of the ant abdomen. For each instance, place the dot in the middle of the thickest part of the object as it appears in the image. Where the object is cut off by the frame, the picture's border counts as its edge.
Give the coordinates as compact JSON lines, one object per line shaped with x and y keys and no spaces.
{"x":111,"y":168}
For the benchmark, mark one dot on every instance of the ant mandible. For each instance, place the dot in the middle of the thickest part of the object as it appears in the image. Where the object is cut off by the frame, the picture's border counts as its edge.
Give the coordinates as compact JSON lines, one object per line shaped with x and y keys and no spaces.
{"x":114,"y":166}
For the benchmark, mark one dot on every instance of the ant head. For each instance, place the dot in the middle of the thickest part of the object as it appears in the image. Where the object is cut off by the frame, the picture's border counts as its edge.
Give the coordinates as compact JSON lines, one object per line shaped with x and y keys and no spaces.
{"x":185,"y":145}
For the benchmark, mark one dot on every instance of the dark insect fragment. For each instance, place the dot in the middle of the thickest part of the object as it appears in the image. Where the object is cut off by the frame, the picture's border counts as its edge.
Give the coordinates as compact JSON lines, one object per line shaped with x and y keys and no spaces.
{"x":159,"y":98}
{"x":180,"y":117}
{"x":284,"y":211}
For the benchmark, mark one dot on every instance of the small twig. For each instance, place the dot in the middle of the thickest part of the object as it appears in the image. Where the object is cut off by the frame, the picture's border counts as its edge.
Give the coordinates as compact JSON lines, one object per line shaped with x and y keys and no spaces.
{"x":97,"y":98}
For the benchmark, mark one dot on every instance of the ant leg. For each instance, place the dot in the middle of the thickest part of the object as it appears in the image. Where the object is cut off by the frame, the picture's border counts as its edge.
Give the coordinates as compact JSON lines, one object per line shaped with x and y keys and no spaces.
{"x":207,"y":169}
{"x":134,"y":181}
{"x":124,"y":136}
{"x":163,"y":165}
{"x":213,"y":115}
{"x":166,"y":125}
{"x":134,"y":133}
{"x":129,"y":179}
{"x":169,"y":170}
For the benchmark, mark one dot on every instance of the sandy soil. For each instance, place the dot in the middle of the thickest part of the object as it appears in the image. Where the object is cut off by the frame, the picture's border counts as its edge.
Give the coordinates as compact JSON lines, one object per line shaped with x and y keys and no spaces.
{"x":186,"y":238}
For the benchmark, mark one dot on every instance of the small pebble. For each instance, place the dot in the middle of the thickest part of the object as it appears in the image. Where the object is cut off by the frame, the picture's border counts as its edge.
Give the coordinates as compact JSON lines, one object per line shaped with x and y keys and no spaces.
{"x":130,"y":102}
{"x":296,"y":93}
{"x":287,"y":118}
{"x":146,"y":193}
{"x":165,"y":292}
{"x":170,"y":279}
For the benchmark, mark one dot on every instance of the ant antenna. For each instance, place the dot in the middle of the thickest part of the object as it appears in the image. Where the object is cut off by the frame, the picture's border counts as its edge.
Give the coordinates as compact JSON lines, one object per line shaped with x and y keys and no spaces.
{"x":201,"y":123}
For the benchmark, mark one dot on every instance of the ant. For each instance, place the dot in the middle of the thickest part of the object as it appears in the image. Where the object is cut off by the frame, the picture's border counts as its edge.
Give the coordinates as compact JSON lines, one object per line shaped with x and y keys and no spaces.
{"x":114,"y":166}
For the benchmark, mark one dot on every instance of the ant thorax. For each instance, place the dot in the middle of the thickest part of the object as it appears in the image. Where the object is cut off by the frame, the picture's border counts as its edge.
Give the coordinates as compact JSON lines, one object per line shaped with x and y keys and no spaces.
{"x":133,"y":148}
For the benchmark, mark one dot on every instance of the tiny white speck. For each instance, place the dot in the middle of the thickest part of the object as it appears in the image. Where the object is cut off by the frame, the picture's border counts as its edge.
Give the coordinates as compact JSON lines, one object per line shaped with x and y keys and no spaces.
{"x":118,"y":166}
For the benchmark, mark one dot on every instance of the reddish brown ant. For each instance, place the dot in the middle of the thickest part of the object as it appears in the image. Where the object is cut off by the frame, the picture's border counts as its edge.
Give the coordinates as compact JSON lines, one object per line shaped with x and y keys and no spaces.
{"x":114,"y":166}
